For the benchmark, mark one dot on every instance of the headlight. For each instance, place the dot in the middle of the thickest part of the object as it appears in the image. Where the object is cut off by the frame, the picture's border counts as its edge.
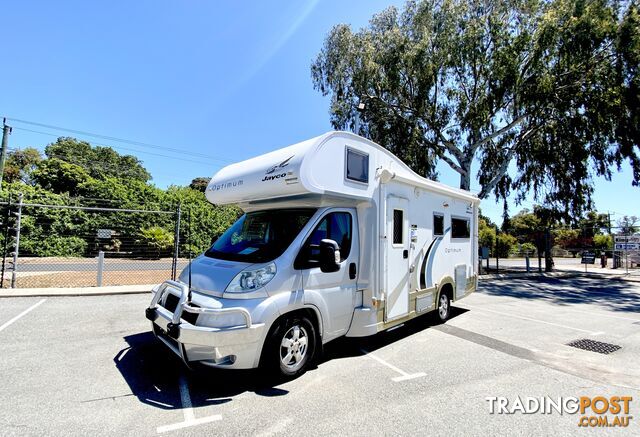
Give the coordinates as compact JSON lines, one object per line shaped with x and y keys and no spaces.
{"x":249,"y":280}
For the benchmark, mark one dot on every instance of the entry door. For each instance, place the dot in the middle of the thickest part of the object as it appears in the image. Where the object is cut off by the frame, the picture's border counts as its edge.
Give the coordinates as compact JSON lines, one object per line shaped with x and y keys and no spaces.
{"x":336,"y":290}
{"x":397,"y":257}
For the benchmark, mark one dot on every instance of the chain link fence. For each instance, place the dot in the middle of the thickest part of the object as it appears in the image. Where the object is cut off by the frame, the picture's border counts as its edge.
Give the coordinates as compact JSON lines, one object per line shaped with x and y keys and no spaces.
{"x":614,"y":252}
{"x":83,"y":244}
{"x":49,"y":245}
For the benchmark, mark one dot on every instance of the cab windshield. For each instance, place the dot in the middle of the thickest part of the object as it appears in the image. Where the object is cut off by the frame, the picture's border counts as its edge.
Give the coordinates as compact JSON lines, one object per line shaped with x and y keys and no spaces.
{"x":260,"y":236}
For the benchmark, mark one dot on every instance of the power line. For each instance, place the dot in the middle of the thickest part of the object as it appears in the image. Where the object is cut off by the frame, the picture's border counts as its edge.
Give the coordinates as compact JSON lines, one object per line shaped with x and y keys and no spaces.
{"x":118,"y":147}
{"x":116,"y":139}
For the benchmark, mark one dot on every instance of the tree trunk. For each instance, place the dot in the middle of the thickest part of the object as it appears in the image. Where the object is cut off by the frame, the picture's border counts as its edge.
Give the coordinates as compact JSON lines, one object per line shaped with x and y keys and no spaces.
{"x":465,"y":176}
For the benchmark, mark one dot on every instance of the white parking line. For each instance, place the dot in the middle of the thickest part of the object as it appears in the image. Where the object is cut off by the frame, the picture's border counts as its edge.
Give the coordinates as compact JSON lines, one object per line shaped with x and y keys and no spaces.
{"x":22,"y":314}
{"x":405,"y":376}
{"x":193,"y":422}
{"x":530,"y":319}
{"x":187,"y":411}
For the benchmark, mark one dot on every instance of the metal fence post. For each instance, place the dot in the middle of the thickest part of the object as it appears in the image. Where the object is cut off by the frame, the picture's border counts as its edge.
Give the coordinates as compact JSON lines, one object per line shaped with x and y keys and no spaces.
{"x":16,"y":250}
{"x":100,"y":268}
{"x":7,"y":219}
{"x":526,"y":259}
{"x":176,"y":244}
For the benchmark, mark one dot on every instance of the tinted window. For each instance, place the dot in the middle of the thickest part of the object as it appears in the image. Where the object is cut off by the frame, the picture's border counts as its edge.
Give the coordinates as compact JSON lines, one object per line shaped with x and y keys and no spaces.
{"x":398,"y":223}
{"x":335,"y":226}
{"x":438,"y":224}
{"x":260,"y":236}
{"x":460,"y":228}
{"x":357,"y":166}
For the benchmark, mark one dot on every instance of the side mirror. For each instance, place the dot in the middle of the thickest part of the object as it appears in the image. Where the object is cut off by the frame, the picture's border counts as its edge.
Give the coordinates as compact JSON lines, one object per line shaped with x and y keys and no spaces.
{"x":329,"y":256}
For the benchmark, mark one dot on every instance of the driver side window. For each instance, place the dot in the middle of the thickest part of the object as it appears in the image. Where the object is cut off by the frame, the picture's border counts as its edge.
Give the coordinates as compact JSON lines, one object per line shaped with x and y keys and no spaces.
{"x":335,"y":226}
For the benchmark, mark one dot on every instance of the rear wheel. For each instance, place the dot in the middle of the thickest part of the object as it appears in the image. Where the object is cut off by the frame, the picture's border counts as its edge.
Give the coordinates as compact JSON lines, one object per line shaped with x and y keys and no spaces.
{"x":291,"y":346}
{"x":444,"y":307}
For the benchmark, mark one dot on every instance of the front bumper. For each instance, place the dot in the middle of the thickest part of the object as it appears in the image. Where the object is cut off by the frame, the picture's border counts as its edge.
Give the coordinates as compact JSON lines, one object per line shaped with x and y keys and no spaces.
{"x":236,"y":346}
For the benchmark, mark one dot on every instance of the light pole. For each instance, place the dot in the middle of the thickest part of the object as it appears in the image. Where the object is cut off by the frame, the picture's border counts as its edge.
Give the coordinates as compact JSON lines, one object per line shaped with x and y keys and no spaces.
{"x":359,"y":110}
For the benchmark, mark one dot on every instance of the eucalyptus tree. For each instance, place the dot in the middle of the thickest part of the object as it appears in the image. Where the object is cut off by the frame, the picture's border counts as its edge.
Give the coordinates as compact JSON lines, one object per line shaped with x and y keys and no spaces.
{"x":524,"y":95}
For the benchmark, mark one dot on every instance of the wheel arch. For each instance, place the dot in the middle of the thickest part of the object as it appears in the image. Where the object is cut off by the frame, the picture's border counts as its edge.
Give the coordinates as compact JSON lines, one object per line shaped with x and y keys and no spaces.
{"x":446,"y":285}
{"x":309,"y":311}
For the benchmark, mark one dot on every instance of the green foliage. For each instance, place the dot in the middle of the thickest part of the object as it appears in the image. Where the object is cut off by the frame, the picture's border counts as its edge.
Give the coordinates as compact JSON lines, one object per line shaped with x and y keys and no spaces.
{"x":505,"y":244}
{"x":55,"y":245}
{"x":98,"y":161}
{"x":200,"y":221}
{"x":567,"y":239}
{"x":593,"y":223}
{"x":60,"y":177}
{"x":199,"y":184}
{"x":603,"y":242}
{"x":524,"y":225}
{"x":156,"y":238}
{"x":20,"y":165}
{"x":528,"y":248}
{"x":547,"y":88}
{"x":486,"y":234}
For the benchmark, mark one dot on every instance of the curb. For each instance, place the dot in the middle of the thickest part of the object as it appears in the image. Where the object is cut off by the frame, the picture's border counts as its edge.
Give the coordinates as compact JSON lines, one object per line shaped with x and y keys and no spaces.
{"x":76,"y":291}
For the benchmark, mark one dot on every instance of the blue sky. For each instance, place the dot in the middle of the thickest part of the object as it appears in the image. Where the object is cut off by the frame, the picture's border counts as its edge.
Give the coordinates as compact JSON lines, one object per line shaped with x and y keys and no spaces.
{"x":225,"y":80}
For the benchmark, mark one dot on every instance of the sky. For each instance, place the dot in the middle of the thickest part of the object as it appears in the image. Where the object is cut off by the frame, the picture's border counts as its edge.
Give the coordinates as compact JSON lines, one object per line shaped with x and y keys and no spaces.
{"x":189,"y":87}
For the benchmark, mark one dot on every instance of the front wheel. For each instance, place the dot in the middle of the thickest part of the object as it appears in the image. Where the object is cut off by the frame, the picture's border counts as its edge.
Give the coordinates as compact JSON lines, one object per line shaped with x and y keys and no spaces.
{"x":292,"y":346}
{"x":444,"y":307}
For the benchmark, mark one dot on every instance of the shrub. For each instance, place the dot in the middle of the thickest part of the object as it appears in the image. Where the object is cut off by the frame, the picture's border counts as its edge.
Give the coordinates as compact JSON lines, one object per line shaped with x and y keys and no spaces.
{"x":54,"y":245}
{"x":157,"y":239}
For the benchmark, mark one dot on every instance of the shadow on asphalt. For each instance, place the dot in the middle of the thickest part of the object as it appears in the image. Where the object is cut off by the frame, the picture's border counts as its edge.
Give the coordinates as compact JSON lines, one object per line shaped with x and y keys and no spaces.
{"x":153,"y":373}
{"x":612,"y":294}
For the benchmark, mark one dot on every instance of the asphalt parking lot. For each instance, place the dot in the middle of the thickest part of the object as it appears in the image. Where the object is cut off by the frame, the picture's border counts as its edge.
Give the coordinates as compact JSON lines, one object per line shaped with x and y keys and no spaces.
{"x":90,"y":366}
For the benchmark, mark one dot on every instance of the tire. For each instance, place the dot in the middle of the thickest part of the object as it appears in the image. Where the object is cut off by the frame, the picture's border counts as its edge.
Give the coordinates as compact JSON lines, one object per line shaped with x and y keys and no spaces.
{"x":444,"y":307}
{"x":291,"y":347}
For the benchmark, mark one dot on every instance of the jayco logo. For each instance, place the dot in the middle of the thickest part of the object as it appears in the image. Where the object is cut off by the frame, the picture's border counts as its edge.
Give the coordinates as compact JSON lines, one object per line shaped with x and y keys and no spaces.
{"x":277,"y":176}
{"x":283,"y":164}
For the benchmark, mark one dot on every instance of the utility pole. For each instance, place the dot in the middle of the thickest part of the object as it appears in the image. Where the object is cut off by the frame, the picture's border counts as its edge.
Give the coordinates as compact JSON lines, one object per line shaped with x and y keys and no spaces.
{"x":6,"y":131}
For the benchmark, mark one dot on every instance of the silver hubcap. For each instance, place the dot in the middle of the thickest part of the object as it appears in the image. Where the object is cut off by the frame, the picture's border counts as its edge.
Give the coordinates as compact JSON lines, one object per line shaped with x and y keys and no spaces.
{"x":293,"y":347}
{"x":444,"y":306}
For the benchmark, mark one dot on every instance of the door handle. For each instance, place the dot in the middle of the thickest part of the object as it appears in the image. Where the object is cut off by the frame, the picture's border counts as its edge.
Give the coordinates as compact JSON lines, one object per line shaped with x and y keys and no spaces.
{"x":405,"y":254}
{"x":352,"y":271}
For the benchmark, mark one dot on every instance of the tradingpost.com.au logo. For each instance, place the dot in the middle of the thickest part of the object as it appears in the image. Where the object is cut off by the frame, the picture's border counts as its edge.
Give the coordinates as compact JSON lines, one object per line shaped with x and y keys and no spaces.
{"x":594,"y":412}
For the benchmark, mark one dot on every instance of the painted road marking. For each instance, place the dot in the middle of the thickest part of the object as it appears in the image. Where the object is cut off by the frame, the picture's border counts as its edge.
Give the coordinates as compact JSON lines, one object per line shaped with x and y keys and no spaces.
{"x":194,"y":422}
{"x":33,"y":307}
{"x":187,"y":411}
{"x":404,"y":375}
{"x":530,"y":319}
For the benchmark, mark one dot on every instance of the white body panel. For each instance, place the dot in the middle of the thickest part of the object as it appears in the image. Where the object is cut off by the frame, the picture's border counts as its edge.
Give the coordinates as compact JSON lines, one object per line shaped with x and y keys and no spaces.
{"x":397,"y":277}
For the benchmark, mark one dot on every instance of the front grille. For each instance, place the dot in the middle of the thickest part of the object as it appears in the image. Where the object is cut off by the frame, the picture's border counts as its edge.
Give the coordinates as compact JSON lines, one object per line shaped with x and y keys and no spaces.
{"x":594,"y":346}
{"x":190,"y":317}
{"x":171,"y":303}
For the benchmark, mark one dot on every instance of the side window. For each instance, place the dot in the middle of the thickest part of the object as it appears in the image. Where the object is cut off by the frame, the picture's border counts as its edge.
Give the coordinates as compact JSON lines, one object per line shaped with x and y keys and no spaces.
{"x":438,"y":224}
{"x":357,"y":166}
{"x":460,"y":228}
{"x":335,"y":226}
{"x":398,"y":225}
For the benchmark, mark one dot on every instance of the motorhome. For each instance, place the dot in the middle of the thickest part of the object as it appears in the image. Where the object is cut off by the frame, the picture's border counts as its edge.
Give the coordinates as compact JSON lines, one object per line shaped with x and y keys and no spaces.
{"x":338,"y":238}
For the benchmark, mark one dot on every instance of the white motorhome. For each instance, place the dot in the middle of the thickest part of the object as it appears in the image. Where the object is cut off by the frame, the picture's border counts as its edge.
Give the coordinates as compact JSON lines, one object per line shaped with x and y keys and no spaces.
{"x":339,"y":237}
